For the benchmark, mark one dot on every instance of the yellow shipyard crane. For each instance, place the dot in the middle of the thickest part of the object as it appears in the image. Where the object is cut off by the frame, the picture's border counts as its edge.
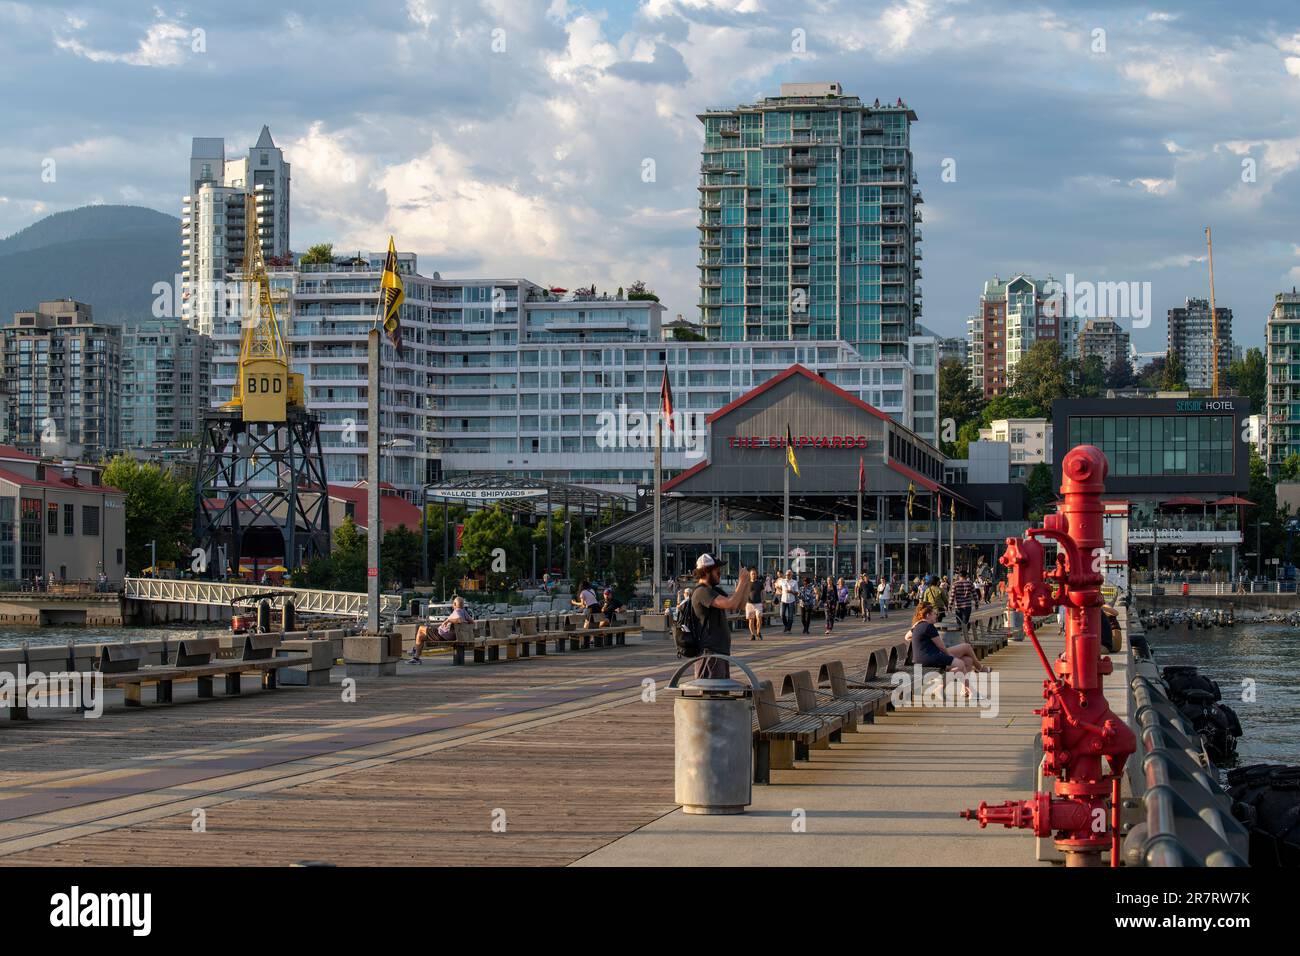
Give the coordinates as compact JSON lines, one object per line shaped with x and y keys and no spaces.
{"x":265,"y":386}
{"x":262,"y":496}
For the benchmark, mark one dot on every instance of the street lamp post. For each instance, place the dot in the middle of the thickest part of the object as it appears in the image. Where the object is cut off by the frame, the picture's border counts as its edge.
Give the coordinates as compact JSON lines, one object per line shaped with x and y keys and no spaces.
{"x":424,"y":524}
{"x":1259,"y":554}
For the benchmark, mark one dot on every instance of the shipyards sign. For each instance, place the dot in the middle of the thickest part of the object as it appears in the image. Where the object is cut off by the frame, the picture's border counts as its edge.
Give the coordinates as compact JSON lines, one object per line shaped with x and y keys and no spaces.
{"x":799,"y":441}
{"x":486,"y":494}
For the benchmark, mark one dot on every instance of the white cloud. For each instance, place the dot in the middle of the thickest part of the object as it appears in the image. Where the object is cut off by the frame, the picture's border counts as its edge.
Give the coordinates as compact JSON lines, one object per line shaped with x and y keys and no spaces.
{"x":164,"y":44}
{"x":1158,"y":187}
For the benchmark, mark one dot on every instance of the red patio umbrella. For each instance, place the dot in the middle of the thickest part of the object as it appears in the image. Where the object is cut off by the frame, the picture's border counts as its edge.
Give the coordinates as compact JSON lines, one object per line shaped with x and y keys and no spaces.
{"x":1234,"y":500}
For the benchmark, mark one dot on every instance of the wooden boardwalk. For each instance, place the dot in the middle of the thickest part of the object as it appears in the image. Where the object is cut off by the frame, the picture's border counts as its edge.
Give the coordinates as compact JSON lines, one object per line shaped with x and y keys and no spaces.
{"x":560,"y":753}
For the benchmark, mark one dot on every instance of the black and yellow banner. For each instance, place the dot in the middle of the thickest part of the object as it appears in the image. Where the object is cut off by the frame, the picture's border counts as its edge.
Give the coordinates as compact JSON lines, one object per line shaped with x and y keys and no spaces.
{"x":391,"y":297}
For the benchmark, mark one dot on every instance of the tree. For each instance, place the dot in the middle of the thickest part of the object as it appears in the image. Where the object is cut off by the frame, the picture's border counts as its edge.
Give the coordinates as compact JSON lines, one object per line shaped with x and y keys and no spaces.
{"x":1038,"y":485}
{"x":1249,"y":377}
{"x":1119,"y":374}
{"x":1153,"y":372}
{"x":485,"y":532}
{"x":1092,"y":377}
{"x":1043,"y":375}
{"x":681,"y":334}
{"x":959,"y":402}
{"x":1174,"y":377}
{"x":320,"y":254}
{"x":637,"y":290}
{"x":348,"y":557}
{"x":399,"y":555}
{"x":159,"y":509}
{"x":1263,"y":492}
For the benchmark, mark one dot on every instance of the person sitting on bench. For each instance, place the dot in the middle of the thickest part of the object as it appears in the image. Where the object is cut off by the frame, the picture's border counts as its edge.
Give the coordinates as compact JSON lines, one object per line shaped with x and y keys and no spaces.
{"x":609,"y":607}
{"x":446,"y":631}
{"x":928,"y":649}
{"x":589,"y":603}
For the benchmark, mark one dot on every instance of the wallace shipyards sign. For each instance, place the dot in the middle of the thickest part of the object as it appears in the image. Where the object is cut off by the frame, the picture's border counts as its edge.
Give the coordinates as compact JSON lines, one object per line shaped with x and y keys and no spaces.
{"x":799,"y":441}
{"x":486,"y":494}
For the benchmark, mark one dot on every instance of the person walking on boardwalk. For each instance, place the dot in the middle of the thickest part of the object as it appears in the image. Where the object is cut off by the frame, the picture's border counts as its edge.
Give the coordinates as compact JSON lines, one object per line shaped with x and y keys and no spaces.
{"x":788,"y":597}
{"x":807,"y":603}
{"x":866,"y":595}
{"x":710,"y":604}
{"x":963,"y":599}
{"x":886,"y":592}
{"x":754,"y":603}
{"x":788,"y":589}
{"x":935,"y":596}
{"x":830,"y":603}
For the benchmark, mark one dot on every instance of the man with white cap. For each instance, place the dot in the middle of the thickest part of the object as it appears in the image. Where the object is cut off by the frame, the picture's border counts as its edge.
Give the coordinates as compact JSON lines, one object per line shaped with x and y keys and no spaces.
{"x":710,"y":604}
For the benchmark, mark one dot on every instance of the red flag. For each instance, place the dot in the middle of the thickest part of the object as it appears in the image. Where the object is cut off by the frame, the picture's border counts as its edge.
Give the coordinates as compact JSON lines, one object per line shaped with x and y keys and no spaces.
{"x":666,"y":403}
{"x":862,"y":474}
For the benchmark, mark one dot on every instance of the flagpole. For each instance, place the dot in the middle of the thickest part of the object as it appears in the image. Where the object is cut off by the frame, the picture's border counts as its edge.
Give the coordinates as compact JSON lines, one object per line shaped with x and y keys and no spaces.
{"x":907,"y":536}
{"x":938,"y":531}
{"x":658,"y":534}
{"x":372,"y":482}
{"x":952,"y":537}
{"x":880,"y":536}
{"x":857,"y":550}
{"x":785,"y":533}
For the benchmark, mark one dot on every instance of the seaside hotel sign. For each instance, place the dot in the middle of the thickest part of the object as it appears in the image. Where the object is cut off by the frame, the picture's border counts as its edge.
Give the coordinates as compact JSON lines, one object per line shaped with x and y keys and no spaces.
{"x":800,"y":441}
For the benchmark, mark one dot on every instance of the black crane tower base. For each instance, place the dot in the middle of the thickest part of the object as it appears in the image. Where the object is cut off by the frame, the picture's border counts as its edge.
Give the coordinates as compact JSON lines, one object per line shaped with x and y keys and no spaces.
{"x":261,"y":491}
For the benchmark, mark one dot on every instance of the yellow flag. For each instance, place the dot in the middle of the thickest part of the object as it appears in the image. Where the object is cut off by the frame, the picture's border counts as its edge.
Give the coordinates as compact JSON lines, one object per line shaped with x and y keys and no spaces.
{"x":789,"y":451}
{"x":391,"y":297}
{"x":911,"y":497}
{"x":952,"y":508}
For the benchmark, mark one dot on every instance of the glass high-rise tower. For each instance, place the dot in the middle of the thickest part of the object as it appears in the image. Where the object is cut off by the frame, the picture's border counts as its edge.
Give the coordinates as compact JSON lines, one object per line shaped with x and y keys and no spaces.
{"x":809,"y":226}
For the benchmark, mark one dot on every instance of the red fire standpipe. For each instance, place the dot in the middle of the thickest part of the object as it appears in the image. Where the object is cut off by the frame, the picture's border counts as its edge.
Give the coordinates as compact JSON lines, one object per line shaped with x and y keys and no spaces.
{"x":1079,"y":728}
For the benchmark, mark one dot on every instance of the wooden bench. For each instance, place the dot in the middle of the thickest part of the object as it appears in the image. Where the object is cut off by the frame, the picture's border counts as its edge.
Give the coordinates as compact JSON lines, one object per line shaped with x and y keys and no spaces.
{"x":874,"y":700}
{"x":467,"y":637}
{"x":782,"y":735}
{"x":809,"y":700}
{"x":193,"y":660}
{"x":487,"y":641}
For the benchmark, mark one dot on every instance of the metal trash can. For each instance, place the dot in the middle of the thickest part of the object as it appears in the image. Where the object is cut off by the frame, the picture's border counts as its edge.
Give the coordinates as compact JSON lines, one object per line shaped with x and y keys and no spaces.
{"x":713,"y":741}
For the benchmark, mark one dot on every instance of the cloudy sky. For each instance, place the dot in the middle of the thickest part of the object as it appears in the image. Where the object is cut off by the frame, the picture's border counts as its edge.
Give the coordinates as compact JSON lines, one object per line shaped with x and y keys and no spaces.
{"x":508,"y":137}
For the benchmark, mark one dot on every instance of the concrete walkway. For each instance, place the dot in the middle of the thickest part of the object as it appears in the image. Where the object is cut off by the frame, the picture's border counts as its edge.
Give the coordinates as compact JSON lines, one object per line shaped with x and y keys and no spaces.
{"x":887,"y":796}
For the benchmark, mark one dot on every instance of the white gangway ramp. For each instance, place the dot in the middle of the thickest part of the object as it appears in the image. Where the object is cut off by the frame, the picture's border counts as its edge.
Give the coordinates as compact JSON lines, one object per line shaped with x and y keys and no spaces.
{"x":170,"y":591}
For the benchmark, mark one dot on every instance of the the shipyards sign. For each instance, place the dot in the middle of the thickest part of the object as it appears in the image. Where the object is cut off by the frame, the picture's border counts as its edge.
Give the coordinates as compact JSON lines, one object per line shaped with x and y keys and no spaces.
{"x":799,"y":441}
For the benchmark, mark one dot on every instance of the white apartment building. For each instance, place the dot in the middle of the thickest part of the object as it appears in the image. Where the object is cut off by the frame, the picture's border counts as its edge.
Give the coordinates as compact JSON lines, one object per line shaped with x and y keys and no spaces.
{"x":1029,"y":439}
{"x":502,"y":375}
{"x":213,"y":224}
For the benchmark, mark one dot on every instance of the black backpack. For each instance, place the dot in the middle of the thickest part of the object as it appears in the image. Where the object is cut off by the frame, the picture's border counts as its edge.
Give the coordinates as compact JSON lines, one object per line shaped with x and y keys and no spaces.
{"x":686,"y":633}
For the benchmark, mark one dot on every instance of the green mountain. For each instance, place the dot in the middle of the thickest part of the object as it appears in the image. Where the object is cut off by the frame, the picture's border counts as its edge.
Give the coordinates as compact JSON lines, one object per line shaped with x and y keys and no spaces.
{"x":108,"y":256}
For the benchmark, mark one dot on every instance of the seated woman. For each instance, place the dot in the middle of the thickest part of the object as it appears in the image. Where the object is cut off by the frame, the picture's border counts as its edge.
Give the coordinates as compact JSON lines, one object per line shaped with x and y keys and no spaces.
{"x":446,"y":631}
{"x":589,"y":603}
{"x":928,"y":649}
